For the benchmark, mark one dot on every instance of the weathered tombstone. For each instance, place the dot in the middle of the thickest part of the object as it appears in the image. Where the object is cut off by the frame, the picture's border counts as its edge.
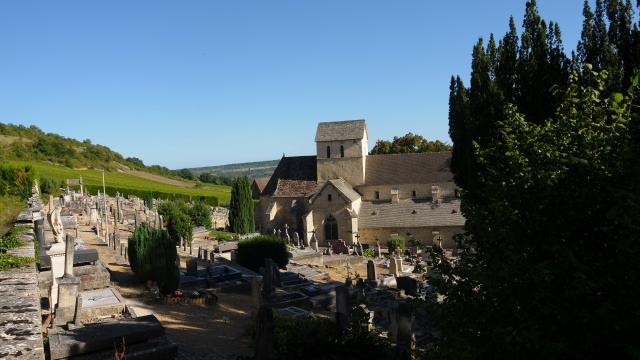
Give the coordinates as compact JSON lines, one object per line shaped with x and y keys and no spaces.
{"x":68,"y":286}
{"x":192,"y":267}
{"x":393,"y":267}
{"x":255,"y":294}
{"x":371,"y":271}
{"x":296,"y":239}
{"x":404,"y":332}
{"x":205,"y":254}
{"x":199,"y":253}
{"x":269,"y":280}
{"x":77,"y":320}
{"x":361,"y":249}
{"x":343,"y":308}
{"x":314,"y":241}
{"x":38,"y":227}
{"x":56,"y":224}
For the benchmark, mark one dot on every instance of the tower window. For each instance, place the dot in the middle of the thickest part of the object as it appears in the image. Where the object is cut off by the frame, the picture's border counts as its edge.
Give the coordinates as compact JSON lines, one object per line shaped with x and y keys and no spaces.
{"x":328,"y":152}
{"x":341,"y":151}
{"x":413,"y":194}
{"x":376,"y":195}
{"x":329,"y":197}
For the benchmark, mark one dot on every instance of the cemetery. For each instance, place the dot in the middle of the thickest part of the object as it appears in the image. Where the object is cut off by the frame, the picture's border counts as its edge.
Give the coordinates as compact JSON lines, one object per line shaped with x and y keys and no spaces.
{"x":84,"y":240}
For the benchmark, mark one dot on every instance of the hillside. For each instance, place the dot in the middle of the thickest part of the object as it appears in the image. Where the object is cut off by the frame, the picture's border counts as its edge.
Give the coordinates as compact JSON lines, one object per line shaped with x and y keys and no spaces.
{"x":58,"y":158}
{"x":252,"y":170}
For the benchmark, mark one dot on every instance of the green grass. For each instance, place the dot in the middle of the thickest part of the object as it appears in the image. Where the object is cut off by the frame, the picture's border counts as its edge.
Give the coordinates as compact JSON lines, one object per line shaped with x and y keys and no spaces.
{"x":12,"y":240}
{"x":126,"y":181}
{"x":10,"y":207}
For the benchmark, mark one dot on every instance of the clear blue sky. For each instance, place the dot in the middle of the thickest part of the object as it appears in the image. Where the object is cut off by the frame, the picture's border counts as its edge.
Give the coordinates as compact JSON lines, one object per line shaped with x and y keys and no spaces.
{"x":195,"y":83}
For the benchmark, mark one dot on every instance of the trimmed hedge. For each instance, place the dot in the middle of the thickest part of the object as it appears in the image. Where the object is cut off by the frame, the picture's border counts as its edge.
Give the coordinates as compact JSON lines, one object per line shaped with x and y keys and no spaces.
{"x":252,"y":252}
{"x":152,"y":255}
{"x":209,"y":200}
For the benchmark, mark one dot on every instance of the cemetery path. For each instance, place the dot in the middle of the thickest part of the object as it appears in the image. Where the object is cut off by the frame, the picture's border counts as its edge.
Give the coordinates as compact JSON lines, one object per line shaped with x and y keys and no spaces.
{"x":216,"y":332}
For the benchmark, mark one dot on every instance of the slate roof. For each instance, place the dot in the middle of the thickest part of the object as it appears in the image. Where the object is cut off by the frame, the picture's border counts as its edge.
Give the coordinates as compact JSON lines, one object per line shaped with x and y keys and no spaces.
{"x":292,"y":175}
{"x":341,"y":130}
{"x":410,"y":213}
{"x":413,"y":168}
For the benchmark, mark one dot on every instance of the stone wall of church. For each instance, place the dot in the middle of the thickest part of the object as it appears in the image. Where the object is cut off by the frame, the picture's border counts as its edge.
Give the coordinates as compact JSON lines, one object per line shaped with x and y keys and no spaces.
{"x":288,"y":211}
{"x":351,"y":167}
{"x":424,"y":235}
{"x":423,"y":191}
{"x":337,"y":207}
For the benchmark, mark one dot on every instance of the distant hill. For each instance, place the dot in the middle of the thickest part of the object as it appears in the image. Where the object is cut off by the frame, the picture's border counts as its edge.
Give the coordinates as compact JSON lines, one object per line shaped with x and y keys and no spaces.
{"x":252,"y":170}
{"x":58,"y":158}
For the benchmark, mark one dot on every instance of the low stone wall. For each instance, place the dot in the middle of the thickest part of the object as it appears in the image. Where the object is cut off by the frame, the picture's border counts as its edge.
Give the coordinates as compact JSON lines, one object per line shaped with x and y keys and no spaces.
{"x":20,"y":322}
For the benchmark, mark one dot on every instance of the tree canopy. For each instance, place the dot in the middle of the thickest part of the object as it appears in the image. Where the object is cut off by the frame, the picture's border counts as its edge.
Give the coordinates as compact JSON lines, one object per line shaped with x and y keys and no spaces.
{"x":408,"y":143}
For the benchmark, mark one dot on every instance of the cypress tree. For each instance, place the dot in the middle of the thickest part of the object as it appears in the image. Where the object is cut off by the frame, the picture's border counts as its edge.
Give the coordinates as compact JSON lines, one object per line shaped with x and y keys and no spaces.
{"x":241,"y":211}
{"x":586,"y":43}
{"x":506,"y":70}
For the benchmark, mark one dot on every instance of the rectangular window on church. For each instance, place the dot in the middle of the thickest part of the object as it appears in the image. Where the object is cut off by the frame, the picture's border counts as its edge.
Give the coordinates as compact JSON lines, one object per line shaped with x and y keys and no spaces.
{"x":376,"y":195}
{"x":329,"y":197}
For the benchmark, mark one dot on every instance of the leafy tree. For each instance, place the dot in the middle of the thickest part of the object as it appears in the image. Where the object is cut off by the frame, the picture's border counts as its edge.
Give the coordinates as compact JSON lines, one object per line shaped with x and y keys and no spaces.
{"x":200,"y":215}
{"x":185,"y":173}
{"x":179,"y":226}
{"x":409,"y":143}
{"x":549,"y":262}
{"x":241,"y":207}
{"x":152,"y":255}
{"x":396,"y":245}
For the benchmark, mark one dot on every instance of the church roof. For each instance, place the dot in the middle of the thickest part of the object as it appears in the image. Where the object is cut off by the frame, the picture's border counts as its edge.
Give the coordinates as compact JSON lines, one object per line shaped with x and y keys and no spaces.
{"x":260,"y":183}
{"x":341,"y":130}
{"x":292,"y":175}
{"x":343,"y":188}
{"x":295,"y":188}
{"x":410,"y":213}
{"x":412,"y":168}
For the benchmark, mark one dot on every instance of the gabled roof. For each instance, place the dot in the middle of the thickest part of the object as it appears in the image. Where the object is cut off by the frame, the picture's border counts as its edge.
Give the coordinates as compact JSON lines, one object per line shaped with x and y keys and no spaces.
{"x":410,"y":213}
{"x":260,"y":183}
{"x":343,"y":187}
{"x":412,"y":168}
{"x":341,"y":130}
{"x":295,"y":170}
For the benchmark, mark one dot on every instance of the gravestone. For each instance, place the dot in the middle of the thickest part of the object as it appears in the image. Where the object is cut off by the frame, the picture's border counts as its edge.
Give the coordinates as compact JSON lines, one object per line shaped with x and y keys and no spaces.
{"x":199,"y":253}
{"x":205,"y":254}
{"x":67,"y":287}
{"x":377,"y":250}
{"x":371,"y":271}
{"x":192,"y":267}
{"x":343,"y":308}
{"x":339,"y":247}
{"x":314,"y":241}
{"x":39,"y":231}
{"x":393,"y":267}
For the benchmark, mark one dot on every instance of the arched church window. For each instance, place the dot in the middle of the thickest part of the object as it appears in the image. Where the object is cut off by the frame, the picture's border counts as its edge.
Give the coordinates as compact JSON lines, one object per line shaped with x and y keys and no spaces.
{"x":331,"y":228}
{"x":341,"y":151}
{"x":328,"y":152}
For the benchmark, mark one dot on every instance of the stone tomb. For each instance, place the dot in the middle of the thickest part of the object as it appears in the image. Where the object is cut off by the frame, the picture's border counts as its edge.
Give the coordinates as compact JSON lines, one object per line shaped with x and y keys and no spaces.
{"x":101,"y":303}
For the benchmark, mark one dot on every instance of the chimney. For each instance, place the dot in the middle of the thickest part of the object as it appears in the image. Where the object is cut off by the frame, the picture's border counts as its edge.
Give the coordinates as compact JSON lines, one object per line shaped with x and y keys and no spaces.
{"x":435,"y":196}
{"x":394,"y":196}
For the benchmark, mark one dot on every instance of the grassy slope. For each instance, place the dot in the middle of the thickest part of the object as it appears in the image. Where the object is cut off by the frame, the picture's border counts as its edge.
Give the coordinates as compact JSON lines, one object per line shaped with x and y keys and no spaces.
{"x":10,"y":207}
{"x":127,"y":181}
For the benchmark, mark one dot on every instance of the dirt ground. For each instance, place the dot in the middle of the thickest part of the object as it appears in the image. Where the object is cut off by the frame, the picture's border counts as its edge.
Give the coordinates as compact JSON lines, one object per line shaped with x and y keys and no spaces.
{"x":215,"y":332}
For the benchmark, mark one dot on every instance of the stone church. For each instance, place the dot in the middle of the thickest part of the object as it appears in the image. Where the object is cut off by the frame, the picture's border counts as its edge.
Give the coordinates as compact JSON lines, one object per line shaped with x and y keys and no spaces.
{"x":344,"y":193}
